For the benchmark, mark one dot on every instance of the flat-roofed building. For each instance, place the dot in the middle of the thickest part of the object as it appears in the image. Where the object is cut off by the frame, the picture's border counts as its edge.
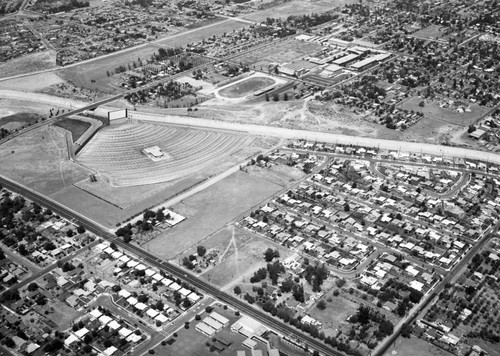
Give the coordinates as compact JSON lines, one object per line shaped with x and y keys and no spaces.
{"x":205,"y":329}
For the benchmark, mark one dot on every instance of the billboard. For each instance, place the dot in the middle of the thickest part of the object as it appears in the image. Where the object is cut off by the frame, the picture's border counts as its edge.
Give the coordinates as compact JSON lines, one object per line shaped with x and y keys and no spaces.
{"x":117,"y":114}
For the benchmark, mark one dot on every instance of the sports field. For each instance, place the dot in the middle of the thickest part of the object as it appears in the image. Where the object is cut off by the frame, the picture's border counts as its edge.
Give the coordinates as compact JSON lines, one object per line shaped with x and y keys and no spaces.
{"x":246,"y":87}
{"x":209,"y":210}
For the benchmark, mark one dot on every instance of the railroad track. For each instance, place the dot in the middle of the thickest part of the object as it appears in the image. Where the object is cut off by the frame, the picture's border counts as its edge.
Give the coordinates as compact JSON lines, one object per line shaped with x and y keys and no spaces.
{"x":176,"y":271}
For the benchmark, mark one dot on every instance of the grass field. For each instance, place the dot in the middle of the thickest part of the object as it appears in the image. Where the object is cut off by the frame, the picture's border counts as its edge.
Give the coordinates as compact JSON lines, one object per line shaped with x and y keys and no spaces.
{"x":246,"y":87}
{"x":433,"y":111}
{"x":431,"y":32}
{"x":210,"y":210}
{"x":336,"y":312}
{"x":76,"y":127}
{"x":415,"y":347}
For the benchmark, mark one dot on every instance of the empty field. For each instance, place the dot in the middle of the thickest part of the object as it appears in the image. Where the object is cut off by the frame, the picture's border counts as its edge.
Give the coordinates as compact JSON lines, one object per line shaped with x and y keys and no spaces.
{"x":336,"y":312}
{"x":279,"y":52}
{"x":295,"y":7}
{"x":246,"y":87}
{"x":39,"y":159}
{"x":17,"y":120}
{"x":27,"y":64}
{"x":116,"y":152}
{"x":415,"y":347}
{"x":241,"y":254}
{"x":210,"y":210}
{"x":76,"y":127}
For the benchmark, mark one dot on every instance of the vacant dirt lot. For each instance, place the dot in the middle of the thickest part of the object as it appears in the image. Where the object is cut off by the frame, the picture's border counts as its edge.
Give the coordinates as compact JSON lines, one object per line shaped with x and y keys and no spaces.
{"x":39,"y":159}
{"x":210,"y":210}
{"x":27,"y":64}
{"x":239,"y":257}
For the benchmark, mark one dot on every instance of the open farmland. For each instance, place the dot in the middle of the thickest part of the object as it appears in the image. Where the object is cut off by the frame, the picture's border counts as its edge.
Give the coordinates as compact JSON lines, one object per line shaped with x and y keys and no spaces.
{"x":209,"y":210}
{"x":116,"y":151}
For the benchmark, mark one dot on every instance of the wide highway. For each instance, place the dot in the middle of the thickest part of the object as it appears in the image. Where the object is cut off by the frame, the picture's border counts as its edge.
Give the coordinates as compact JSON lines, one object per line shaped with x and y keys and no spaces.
{"x":201,"y":285}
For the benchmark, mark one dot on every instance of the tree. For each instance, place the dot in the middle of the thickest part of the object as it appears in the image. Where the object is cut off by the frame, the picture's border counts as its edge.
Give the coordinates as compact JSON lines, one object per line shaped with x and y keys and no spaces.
{"x":321,"y":304}
{"x":363,"y":314}
{"x":201,"y":250}
{"x":287,"y":285}
{"x":9,"y":342}
{"x":187,"y":263}
{"x":160,"y":216}
{"x":237,"y":290}
{"x":270,"y":254}
{"x":298,"y":293}
{"x":70,"y":233}
{"x":80,"y":229}
{"x":32,"y":287}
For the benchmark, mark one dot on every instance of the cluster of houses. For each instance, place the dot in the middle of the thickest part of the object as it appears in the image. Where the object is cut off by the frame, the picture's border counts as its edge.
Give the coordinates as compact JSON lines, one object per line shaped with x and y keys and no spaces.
{"x":11,"y":272}
{"x":298,"y":224}
{"x":17,"y":40}
{"x":388,"y":266}
{"x":127,"y":268}
{"x":116,"y":330}
{"x":432,"y":180}
{"x":398,"y":206}
{"x":53,"y":242}
{"x":87,"y":33}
